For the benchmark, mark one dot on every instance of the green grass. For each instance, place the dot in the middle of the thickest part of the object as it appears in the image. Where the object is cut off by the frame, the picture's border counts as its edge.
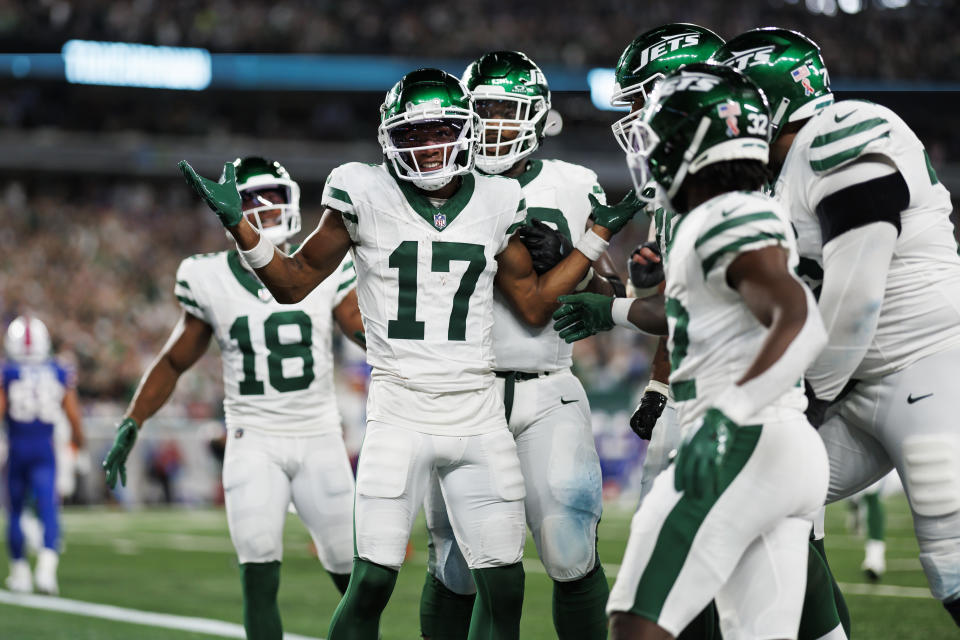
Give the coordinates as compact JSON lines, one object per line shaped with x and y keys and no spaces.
{"x":182,"y":562}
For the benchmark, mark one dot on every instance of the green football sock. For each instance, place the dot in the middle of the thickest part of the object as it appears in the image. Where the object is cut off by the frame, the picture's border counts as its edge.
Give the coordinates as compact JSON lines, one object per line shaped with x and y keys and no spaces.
{"x":444,"y":614}
{"x":261,"y":615}
{"x":340,"y":580}
{"x":841,"y":605}
{"x":579,"y":606}
{"x":706,"y":626}
{"x":875,"y":519}
{"x":496,"y":612}
{"x":358,"y":615}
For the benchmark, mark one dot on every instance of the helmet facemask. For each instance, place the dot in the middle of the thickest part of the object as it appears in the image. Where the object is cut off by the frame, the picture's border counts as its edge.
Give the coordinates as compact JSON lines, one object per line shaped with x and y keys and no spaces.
{"x":426,"y":127}
{"x":511,"y":126}
{"x":254,"y":202}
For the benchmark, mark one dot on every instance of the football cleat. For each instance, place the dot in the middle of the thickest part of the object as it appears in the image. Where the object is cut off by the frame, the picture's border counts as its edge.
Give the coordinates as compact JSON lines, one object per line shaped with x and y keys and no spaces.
{"x":45,"y":576}
{"x":875,"y":560}
{"x":19,"y":580}
{"x":512,"y":98}
{"x":428,"y":128}
{"x":648,"y":59}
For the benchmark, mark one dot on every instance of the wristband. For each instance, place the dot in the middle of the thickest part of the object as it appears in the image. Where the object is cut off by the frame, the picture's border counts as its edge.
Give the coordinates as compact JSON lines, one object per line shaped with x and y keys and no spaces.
{"x":260,"y":256}
{"x":583,"y":284}
{"x":592,"y":245}
{"x":619,"y":312}
{"x":659,"y":387}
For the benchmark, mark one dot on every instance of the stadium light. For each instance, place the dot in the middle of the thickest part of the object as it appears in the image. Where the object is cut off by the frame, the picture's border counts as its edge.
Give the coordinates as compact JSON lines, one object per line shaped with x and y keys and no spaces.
{"x":136,"y":65}
{"x":601,"y":83}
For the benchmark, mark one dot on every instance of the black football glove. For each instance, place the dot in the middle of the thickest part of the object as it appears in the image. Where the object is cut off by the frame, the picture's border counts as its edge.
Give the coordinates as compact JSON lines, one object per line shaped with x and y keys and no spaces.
{"x":546,"y":245}
{"x":644,"y":276}
{"x":647,"y":413}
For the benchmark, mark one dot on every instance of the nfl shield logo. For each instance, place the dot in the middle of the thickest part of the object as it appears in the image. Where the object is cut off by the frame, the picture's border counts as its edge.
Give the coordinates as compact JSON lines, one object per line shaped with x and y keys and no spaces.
{"x":729,"y":112}
{"x":439,"y":220}
{"x":802,"y":75}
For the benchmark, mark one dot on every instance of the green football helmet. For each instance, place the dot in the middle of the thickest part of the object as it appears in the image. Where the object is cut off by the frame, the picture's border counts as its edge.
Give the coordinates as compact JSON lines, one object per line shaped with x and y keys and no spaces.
{"x":428,"y":109}
{"x":512,"y":97}
{"x":787,"y":66}
{"x":697,"y":116}
{"x":650,"y":57}
{"x":255,"y":174}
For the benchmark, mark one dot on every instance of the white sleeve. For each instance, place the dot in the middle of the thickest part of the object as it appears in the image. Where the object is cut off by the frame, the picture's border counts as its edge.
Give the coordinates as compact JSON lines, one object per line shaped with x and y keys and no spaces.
{"x":741,"y":402}
{"x":855,"y":266}
{"x":346,"y":279}
{"x":187,"y":290}
{"x":518,"y":218}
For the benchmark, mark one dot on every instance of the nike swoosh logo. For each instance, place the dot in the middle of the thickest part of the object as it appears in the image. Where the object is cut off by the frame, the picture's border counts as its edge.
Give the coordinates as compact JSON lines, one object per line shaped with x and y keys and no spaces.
{"x":563,"y":401}
{"x":837,"y":118}
{"x":911,"y":399}
{"x":724,"y":214}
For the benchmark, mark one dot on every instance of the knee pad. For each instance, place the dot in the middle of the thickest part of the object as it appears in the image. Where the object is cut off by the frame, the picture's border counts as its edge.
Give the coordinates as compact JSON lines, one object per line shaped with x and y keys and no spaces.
{"x":501,"y":541}
{"x":568,"y":545}
{"x":575,"y":478}
{"x":931,"y":466}
{"x":941,"y":564}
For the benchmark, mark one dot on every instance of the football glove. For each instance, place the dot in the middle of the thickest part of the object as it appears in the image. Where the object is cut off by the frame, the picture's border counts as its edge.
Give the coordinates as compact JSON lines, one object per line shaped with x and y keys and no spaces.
{"x":546,"y":245}
{"x":581,"y":315}
{"x":644,"y":276}
{"x":615,"y":216}
{"x":700,"y":458}
{"x":222,"y":196}
{"x":116,"y":461}
{"x":645,"y":416}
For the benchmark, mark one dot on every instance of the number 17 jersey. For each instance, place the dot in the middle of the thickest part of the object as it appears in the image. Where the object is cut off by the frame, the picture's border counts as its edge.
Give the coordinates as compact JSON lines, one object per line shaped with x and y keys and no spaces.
{"x":425,"y":273}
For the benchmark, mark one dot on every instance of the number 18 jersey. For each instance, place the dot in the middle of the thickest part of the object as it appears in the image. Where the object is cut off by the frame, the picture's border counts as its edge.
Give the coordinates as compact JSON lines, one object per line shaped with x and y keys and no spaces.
{"x":277,"y":359}
{"x":425,"y":273}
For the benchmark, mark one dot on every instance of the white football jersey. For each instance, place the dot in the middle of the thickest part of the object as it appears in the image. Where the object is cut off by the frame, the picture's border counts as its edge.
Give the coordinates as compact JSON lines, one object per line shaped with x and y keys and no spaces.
{"x":556,"y":194}
{"x":921,"y":306}
{"x":713,"y":335}
{"x":425,"y":273}
{"x":277,"y":360}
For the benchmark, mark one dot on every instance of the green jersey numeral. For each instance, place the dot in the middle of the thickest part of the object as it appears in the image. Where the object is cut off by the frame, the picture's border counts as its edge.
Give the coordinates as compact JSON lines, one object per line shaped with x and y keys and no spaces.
{"x":681,"y":341}
{"x":404,"y":259}
{"x":277,"y":352}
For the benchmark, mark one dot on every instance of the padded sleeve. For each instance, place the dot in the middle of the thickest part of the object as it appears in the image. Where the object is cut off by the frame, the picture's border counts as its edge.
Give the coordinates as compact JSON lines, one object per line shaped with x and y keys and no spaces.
{"x":869,"y":190}
{"x":187,"y":290}
{"x":727,"y":234}
{"x":346,"y":279}
{"x":336,"y":195}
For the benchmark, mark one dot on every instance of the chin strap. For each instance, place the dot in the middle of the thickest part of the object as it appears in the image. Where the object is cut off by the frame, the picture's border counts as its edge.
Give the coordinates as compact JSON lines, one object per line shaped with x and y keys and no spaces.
{"x":689,"y":155}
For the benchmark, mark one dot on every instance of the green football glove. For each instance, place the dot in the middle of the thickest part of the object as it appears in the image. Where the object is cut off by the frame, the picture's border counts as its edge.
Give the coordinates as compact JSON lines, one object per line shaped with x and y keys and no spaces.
{"x":116,"y":460}
{"x":222,"y":196}
{"x":615,"y":216}
{"x":698,"y":463}
{"x":582,"y":314}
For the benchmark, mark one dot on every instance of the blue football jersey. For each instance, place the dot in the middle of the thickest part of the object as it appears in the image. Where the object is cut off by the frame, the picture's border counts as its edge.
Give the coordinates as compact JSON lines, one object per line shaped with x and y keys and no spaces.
{"x":34,"y":397}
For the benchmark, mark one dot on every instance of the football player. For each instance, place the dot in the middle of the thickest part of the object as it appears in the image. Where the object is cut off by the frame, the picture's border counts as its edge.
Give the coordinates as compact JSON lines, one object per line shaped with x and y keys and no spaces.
{"x":726,"y":521}
{"x":430,"y":239}
{"x":546,"y":407}
{"x":876,"y":243}
{"x":36,"y":391}
{"x":646,"y":60}
{"x":284,"y":442}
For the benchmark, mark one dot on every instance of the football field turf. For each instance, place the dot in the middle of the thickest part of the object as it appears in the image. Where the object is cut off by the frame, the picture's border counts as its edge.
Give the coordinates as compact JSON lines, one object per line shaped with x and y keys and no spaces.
{"x":182,"y":563}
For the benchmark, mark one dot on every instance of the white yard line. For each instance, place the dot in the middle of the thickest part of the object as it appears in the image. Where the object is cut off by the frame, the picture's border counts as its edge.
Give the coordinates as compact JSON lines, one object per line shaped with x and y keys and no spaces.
{"x":885,"y":590}
{"x":133,"y":616}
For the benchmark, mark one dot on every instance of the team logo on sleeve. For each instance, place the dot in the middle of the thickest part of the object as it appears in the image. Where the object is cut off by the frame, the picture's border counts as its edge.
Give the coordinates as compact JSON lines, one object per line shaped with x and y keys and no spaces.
{"x":802,"y":75}
{"x":730,"y":111}
{"x":439,"y":220}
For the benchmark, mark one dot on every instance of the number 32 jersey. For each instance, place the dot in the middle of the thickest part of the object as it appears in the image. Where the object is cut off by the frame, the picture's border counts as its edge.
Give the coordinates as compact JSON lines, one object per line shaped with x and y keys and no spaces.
{"x":425,"y":273}
{"x":277,"y":360}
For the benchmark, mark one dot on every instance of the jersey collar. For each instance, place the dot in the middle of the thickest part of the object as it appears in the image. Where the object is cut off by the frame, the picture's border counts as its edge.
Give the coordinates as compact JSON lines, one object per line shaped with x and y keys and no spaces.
{"x":533,"y":170}
{"x":246,"y":279}
{"x":438,"y":217}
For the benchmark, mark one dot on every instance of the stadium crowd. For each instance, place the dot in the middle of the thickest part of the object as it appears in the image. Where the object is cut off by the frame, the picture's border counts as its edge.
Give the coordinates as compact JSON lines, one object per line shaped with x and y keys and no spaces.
{"x":554,"y":32}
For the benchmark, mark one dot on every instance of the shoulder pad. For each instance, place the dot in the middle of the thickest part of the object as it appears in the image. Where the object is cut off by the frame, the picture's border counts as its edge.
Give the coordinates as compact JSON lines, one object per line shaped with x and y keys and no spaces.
{"x":845,"y":131}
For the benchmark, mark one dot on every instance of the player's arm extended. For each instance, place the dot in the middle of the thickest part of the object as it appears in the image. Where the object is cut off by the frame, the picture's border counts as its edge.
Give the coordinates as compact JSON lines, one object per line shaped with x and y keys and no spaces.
{"x":71,"y":407}
{"x":347,"y":315}
{"x":535,"y":297}
{"x":289,"y":278}
{"x":606,"y":280}
{"x":860,"y":225}
{"x":796,"y":333}
{"x":188,"y":341}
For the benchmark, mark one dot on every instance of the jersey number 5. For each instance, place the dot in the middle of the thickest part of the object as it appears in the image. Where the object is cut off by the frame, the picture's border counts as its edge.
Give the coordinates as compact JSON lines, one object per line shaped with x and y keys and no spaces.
{"x":404,"y":259}
{"x":277,"y":352}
